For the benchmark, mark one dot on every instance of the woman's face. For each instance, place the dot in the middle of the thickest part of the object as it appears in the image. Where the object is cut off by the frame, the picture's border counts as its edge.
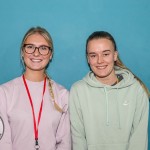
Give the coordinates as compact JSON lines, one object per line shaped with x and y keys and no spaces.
{"x":101,"y":56}
{"x":36,"y":61}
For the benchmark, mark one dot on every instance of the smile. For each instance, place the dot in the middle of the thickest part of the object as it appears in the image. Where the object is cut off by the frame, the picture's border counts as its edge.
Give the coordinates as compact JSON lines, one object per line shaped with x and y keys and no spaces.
{"x":36,"y":60}
{"x":101,"y":67}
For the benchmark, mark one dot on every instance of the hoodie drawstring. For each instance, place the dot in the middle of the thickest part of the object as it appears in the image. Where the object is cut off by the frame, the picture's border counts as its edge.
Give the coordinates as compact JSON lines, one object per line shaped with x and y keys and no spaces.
{"x":118,"y":111}
{"x":107,"y":107}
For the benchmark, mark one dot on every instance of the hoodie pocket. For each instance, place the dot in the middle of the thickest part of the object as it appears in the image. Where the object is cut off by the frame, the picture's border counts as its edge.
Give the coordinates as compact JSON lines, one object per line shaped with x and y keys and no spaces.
{"x":120,"y":146}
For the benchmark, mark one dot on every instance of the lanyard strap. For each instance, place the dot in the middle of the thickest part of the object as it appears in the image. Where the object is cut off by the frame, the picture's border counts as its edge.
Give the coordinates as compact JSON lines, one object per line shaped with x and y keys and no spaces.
{"x":40,"y":111}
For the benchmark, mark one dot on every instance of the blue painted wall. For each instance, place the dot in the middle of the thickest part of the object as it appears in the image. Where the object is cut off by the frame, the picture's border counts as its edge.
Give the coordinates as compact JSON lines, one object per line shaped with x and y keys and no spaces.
{"x":70,"y":23}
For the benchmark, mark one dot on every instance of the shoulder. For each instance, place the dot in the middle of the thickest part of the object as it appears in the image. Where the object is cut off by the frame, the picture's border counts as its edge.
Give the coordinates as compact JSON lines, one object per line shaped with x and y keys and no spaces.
{"x":138,"y":86}
{"x":61,"y":95}
{"x":9,"y":89}
{"x":79,"y":84}
{"x":60,"y":91}
{"x":140,"y":90}
{"x":58,"y":87}
{"x":79,"y":87}
{"x":10,"y":85}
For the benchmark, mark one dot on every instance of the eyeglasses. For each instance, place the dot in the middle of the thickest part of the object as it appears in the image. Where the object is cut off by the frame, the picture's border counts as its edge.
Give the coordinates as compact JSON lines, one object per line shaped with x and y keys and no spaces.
{"x":43,"y":49}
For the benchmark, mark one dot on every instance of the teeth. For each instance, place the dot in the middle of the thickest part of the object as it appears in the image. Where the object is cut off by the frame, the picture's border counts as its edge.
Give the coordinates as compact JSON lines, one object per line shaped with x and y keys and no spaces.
{"x":36,"y":60}
{"x":101,"y":67}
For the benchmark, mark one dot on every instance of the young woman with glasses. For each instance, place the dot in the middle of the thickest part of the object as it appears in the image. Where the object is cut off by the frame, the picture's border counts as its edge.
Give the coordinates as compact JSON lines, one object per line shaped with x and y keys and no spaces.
{"x":109,"y":107}
{"x":33,"y":107}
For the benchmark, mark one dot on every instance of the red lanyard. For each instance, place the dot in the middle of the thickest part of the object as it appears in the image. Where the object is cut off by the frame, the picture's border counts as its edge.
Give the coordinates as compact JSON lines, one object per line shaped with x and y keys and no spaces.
{"x":40,"y":111}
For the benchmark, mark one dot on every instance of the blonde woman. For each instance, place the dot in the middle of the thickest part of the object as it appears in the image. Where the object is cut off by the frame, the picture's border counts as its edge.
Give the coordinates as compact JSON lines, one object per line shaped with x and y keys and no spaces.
{"x":33,"y":107}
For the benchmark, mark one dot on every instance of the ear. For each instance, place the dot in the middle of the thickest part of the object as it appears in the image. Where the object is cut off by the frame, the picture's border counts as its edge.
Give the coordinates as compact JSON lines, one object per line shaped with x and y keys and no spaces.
{"x":115,"y":55}
{"x":22,"y":54}
{"x":50,"y":56}
{"x":87,"y":58}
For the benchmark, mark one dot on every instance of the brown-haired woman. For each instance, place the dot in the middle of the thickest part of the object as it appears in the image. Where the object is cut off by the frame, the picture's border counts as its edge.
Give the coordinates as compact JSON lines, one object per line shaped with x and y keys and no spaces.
{"x":109,"y":106}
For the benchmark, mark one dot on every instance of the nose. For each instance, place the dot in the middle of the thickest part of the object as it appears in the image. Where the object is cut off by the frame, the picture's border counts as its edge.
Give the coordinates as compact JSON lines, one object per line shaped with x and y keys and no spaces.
{"x":100,"y":59}
{"x":36,"y":52}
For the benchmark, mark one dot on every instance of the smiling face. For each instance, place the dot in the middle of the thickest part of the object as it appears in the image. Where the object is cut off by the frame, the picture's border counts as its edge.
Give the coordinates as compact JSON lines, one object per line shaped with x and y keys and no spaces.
{"x":101,"y":56}
{"x":35,"y":61}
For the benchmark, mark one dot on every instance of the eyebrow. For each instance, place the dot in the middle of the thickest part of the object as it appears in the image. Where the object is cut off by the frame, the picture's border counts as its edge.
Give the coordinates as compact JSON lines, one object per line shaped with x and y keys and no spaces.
{"x":102,"y":52}
{"x":36,"y":46}
{"x":106,"y":50}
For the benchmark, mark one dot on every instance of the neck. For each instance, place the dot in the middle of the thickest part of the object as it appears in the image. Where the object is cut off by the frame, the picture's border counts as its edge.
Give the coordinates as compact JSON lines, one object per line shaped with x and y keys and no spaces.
{"x":108,"y":80}
{"x":34,"y":76}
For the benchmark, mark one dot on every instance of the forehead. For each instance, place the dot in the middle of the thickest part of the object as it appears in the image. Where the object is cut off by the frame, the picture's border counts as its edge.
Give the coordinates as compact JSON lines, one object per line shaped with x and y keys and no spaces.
{"x":100,"y":44}
{"x":36,"y":39}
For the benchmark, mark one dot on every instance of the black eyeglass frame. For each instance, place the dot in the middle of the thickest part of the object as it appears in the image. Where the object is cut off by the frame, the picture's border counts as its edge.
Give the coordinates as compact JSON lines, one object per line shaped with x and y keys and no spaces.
{"x":35,"y":47}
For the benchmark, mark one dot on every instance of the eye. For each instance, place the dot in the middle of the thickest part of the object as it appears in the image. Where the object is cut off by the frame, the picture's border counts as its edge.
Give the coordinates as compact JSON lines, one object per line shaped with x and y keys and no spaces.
{"x":30,"y":46}
{"x":43,"y":47}
{"x":106,"y":54}
{"x":92,"y":56}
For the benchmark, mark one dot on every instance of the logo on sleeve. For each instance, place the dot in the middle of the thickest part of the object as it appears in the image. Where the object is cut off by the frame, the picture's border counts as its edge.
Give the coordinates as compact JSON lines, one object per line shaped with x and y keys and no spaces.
{"x":1,"y":128}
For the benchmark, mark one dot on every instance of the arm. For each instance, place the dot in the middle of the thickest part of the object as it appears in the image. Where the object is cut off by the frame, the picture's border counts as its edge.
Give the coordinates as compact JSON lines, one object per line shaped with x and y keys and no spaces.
{"x":63,"y":136}
{"x":139,"y":136}
{"x":77,"y":124}
{"x":5,"y":142}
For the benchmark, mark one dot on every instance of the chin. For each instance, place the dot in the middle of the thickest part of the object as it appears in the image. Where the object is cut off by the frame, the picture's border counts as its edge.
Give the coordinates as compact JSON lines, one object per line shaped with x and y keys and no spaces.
{"x":101,"y":75}
{"x":37,"y":69}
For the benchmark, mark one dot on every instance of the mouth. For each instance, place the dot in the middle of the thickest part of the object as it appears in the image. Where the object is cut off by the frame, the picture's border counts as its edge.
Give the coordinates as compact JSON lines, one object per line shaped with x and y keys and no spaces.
{"x":36,"y":60}
{"x":101,"y":67}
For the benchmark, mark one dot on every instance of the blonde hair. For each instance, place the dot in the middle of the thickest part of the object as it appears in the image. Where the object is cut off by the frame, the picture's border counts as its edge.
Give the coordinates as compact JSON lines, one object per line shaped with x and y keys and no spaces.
{"x":36,"y":30}
{"x":49,"y":40}
{"x":52,"y":94}
{"x":119,"y":63}
{"x":41,"y":31}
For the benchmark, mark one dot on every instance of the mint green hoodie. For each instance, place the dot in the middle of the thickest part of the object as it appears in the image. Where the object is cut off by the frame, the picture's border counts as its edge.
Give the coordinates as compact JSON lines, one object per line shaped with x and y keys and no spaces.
{"x":107,"y":117}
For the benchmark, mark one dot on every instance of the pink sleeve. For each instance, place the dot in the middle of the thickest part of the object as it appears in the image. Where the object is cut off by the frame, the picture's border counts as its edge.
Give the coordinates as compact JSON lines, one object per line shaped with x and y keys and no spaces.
{"x":5,"y":142}
{"x":63,"y":136}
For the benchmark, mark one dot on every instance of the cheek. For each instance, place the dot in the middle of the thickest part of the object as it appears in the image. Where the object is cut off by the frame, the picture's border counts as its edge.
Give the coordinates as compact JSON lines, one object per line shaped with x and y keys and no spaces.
{"x":91,"y":62}
{"x":111,"y":59}
{"x":47,"y":58}
{"x":25,"y":57}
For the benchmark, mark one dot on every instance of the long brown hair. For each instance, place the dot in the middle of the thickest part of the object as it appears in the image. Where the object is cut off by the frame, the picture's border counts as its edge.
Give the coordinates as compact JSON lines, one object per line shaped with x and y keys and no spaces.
{"x":118,"y":62}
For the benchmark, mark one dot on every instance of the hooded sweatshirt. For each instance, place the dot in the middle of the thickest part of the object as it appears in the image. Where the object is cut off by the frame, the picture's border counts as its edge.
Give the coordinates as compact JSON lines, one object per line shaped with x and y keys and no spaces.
{"x":105,"y":117}
{"x":16,"y":113}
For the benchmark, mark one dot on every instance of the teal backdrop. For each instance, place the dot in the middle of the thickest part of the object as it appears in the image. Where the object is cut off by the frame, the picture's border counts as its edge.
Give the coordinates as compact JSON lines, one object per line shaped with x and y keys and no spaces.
{"x":70,"y":23}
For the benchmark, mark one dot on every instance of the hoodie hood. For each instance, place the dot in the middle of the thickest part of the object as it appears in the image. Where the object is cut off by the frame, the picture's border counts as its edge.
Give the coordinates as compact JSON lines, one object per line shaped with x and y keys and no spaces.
{"x":128,"y":79}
